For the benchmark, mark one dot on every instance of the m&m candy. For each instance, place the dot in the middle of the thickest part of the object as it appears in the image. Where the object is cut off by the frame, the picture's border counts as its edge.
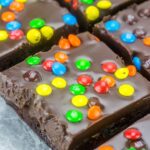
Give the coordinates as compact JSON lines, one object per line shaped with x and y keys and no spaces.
{"x":83,"y":64}
{"x":112,"y":25}
{"x":128,"y":38}
{"x":146,"y":41}
{"x":74,"y":40}
{"x":132,"y":134}
{"x":21,"y":1}
{"x":110,"y":80}
{"x":59,"y":82}
{"x":34,"y":36}
{"x":88,"y":2}
{"x":101,"y":87}
{"x":37,"y":23}
{"x":16,"y":6}
{"x":61,"y":57}
{"x":64,"y":44}
{"x":77,"y":89}
{"x":43,"y":90}
{"x":8,"y":16}
{"x":132,"y":70}
{"x":137,"y":62}
{"x":47,"y":65}
{"x":122,"y":73}
{"x":58,"y":69}
{"x":74,"y":116}
{"x":126,"y":90}
{"x":106,"y":147}
{"x":47,"y":32}
{"x":13,"y":25}
{"x":16,"y":34}
{"x":5,"y":3}
{"x":104,"y":4}
{"x":85,"y":80}
{"x":69,"y":19}
{"x":92,"y":13}
{"x":94,"y":113}
{"x":3,"y":35}
{"x":109,"y":67}
{"x":33,"y":60}
{"x":79,"y":101}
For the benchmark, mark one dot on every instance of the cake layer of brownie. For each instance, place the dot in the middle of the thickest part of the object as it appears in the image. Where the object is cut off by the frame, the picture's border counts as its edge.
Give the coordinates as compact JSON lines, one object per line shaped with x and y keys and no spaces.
{"x":89,"y":12}
{"x":77,"y":94}
{"x":136,"y":137}
{"x":46,"y":16}
{"x":128,"y":33}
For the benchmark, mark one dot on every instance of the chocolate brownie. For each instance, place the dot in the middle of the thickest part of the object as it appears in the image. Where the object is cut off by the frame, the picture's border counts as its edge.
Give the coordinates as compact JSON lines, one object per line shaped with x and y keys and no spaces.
{"x":29,"y":27}
{"x":77,"y":94}
{"x":89,"y":12}
{"x":136,"y":137}
{"x":128,"y":33}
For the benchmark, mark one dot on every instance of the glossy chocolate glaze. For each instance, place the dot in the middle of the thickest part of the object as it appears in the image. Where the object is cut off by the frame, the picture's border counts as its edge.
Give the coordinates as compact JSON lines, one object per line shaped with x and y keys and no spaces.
{"x":49,"y":10}
{"x":21,"y":93}
{"x":143,"y":125}
{"x":139,"y":25}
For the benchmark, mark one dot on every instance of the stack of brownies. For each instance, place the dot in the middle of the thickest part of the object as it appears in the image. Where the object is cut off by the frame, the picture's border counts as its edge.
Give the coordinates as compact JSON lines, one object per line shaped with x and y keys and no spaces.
{"x":77,"y":71}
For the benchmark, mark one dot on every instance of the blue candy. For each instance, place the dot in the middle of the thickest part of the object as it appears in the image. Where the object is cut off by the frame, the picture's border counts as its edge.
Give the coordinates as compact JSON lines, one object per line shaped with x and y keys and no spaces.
{"x":58,"y":69}
{"x":112,"y":25}
{"x":13,"y":25}
{"x":137,"y":62}
{"x":5,"y":3}
{"x":128,"y":38}
{"x":69,"y":19}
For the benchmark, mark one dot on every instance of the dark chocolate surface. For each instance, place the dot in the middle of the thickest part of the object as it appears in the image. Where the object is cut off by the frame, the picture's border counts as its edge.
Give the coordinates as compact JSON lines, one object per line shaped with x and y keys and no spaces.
{"x":21,"y":93}
{"x":138,"y":25}
{"x":143,"y":125}
{"x":51,"y":12}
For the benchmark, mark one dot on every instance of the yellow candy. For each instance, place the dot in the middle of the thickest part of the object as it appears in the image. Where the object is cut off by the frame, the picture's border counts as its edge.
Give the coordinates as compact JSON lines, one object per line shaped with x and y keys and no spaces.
{"x":92,"y":13}
{"x":104,"y":4}
{"x":126,"y":90}
{"x":44,"y":90}
{"x":59,"y":82}
{"x":0,"y":7}
{"x":47,"y":32}
{"x":122,"y":73}
{"x":3,"y":35}
{"x":34,"y":36}
{"x":21,"y":1}
{"x":79,"y":101}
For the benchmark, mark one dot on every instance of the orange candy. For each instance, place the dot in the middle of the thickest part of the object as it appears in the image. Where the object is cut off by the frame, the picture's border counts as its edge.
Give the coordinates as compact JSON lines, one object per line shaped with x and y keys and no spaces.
{"x":74,"y":40}
{"x":16,"y":6}
{"x":64,"y":43}
{"x":61,"y":57}
{"x":67,"y":1}
{"x":106,"y":147}
{"x":94,"y":113}
{"x":110,"y":80}
{"x":8,"y":16}
{"x":146,"y":41}
{"x":132,"y":70}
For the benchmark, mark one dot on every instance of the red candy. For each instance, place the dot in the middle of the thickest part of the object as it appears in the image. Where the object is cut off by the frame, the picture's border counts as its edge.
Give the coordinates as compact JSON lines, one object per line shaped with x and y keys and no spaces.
{"x":109,"y":67}
{"x":101,"y":87}
{"x":47,"y":65}
{"x":85,"y":80}
{"x":132,"y":134}
{"x":16,"y":35}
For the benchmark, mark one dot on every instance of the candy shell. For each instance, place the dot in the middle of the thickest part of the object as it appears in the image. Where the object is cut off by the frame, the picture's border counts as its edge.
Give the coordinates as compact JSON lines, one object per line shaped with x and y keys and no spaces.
{"x":77,"y":89}
{"x":69,"y":19}
{"x":94,"y":113}
{"x":16,"y":6}
{"x":104,"y":4}
{"x":47,"y":32}
{"x":79,"y":101}
{"x":122,"y":73}
{"x":43,"y":90}
{"x":8,"y":16}
{"x":16,"y":35}
{"x":64,"y":44}
{"x":61,"y":57}
{"x":59,"y":82}
{"x":3,"y":35}
{"x":74,"y":40}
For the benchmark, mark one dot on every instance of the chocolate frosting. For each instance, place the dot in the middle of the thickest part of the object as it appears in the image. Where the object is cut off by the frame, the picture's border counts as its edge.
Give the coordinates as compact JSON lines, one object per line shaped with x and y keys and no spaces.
{"x":143,"y":125}
{"x":14,"y":86}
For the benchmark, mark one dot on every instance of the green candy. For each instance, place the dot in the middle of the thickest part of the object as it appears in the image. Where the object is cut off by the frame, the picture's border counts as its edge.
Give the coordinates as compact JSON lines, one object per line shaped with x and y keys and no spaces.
{"x":131,"y":148}
{"x":77,"y":89}
{"x":33,"y":60}
{"x":37,"y":23}
{"x":74,"y":116}
{"x":83,"y":64}
{"x":88,"y":2}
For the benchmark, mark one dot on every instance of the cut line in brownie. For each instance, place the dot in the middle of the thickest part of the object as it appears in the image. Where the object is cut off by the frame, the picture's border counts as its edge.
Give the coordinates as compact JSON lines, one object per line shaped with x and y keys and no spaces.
{"x":128,"y":33}
{"x":77,"y":94}
{"x":135,"y":137}
{"x":27,"y":28}
{"x":89,"y":12}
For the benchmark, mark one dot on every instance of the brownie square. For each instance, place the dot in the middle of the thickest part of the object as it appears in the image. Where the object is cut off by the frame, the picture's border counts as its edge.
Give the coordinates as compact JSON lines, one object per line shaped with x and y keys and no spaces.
{"x":89,"y":12}
{"x":77,"y":94}
{"x":131,"y":37}
{"x":135,"y":137}
{"x":14,"y":49}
